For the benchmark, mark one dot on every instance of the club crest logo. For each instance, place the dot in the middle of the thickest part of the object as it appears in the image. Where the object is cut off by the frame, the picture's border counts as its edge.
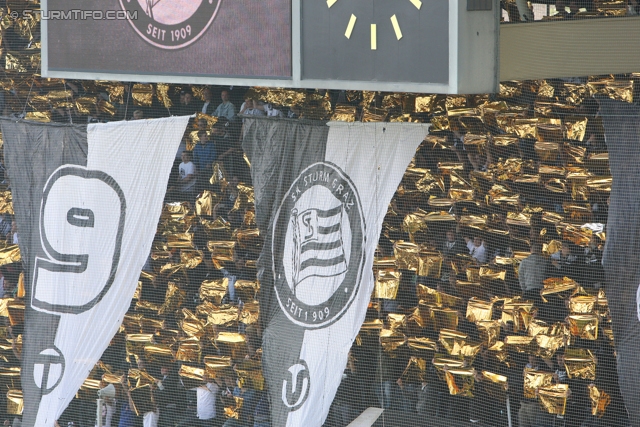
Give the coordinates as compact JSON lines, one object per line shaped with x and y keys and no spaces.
{"x":318,"y":246}
{"x":171,"y":24}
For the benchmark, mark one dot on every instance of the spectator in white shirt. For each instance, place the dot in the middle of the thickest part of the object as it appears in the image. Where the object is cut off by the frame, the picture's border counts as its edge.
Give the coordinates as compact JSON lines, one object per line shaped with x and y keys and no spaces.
{"x":477,"y":249}
{"x":206,"y":400}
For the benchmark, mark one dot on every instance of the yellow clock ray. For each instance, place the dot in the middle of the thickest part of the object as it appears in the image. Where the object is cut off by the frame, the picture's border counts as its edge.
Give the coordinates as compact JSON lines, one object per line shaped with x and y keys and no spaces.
{"x":374,"y":28}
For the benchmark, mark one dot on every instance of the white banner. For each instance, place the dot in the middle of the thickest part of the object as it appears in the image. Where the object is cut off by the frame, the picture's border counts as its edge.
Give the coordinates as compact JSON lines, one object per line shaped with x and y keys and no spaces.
{"x":96,"y":220}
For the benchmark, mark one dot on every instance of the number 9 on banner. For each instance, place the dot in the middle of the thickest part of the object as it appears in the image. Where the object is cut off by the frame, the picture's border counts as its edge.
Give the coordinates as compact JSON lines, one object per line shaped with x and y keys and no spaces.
{"x":81,"y":224}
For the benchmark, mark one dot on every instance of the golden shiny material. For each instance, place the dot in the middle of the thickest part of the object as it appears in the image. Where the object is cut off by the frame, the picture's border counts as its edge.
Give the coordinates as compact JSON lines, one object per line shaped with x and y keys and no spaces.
{"x":10,"y":254}
{"x":415,"y":372}
{"x":445,"y":318}
{"x":553,"y":398}
{"x":521,"y":344}
{"x":460,"y":381}
{"x":344,"y":113}
{"x":214,"y":290}
{"x":407,"y":255}
{"x":449,"y":338}
{"x":191,"y":376}
{"x":495,"y":385}
{"x":396,"y":321}
{"x":135,"y":344}
{"x":599,"y":400}
{"x":489,"y":331}
{"x":584,"y":326}
{"x":250,"y":374}
{"x":214,"y":365}
{"x":391,"y":340}
{"x":158,"y":353}
{"x":231,"y":344}
{"x":222,"y":251}
{"x":561,"y":287}
{"x":478,"y":310}
{"x":190,"y":324}
{"x":580,"y":363}
{"x":534,"y":380}
{"x":15,"y":402}
{"x":548,"y":345}
{"x":224,"y":315}
{"x":547,"y":151}
{"x":204,"y":203}
{"x":422,"y":346}
{"x":387,"y":284}
{"x":430,"y":264}
{"x":582,"y":304}
{"x":189,"y":350}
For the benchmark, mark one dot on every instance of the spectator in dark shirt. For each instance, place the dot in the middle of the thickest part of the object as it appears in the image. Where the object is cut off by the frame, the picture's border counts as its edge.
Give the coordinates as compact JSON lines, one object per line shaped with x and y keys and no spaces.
{"x":204,"y":154}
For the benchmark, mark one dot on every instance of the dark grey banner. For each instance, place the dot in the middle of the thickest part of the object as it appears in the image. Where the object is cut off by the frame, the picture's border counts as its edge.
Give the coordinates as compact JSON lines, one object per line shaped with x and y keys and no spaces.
{"x":240,"y":38}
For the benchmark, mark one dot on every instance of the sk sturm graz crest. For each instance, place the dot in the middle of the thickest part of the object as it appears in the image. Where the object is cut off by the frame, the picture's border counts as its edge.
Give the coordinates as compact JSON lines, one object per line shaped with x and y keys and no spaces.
{"x":171,"y":24}
{"x":318,"y":246}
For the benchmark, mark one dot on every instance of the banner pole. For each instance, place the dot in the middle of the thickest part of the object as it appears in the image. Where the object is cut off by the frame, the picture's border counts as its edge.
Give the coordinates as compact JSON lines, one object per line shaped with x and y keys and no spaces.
{"x":509,"y":411}
{"x":99,"y":412}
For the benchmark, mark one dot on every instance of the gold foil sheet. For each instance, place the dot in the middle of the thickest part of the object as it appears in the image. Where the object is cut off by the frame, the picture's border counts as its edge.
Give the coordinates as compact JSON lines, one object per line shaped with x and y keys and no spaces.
{"x":534,"y":380}
{"x":449,"y":338}
{"x":391,"y":339}
{"x":599,"y":400}
{"x":190,"y":324}
{"x":561,"y":287}
{"x":246,"y":290}
{"x":553,"y":398}
{"x":495,"y":385}
{"x":214,"y":290}
{"x":224,"y":315}
{"x":396,"y":321}
{"x":460,"y":381}
{"x":521,"y":344}
{"x":478,"y":310}
{"x":173,"y":299}
{"x":250,"y":374}
{"x":250,"y":313}
{"x":415,"y":372}
{"x":489,"y":331}
{"x":548,"y":345}
{"x":422,"y":347}
{"x":191,"y":377}
{"x":582,"y":304}
{"x":386,"y":263}
{"x":547,"y":151}
{"x":537,"y":327}
{"x":158,"y":353}
{"x":387,"y":284}
{"x":580,"y":363}
{"x":222,"y":251}
{"x":215,"y":365}
{"x":231,"y":344}
{"x":234,"y":411}
{"x":218,"y":230}
{"x":10,"y":254}
{"x":584,"y":326}
{"x":430,"y":265}
{"x":407,"y":255}
{"x":189,"y":350}
{"x":620,"y":89}
{"x":15,"y":402}
{"x":344,"y":113}
{"x":135,"y":344}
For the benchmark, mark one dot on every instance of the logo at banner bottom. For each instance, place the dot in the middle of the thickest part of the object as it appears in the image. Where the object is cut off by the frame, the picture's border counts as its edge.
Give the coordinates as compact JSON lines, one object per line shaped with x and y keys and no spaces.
{"x":171,"y":24}
{"x":318,"y":246}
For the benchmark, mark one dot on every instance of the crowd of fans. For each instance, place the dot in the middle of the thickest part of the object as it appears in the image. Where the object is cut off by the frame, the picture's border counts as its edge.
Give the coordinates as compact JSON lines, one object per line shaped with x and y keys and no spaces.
{"x":485,"y":215}
{"x":526,"y":11}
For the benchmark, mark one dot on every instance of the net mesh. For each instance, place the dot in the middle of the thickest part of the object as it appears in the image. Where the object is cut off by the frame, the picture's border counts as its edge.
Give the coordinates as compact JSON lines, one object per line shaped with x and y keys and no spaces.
{"x":490,"y":302}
